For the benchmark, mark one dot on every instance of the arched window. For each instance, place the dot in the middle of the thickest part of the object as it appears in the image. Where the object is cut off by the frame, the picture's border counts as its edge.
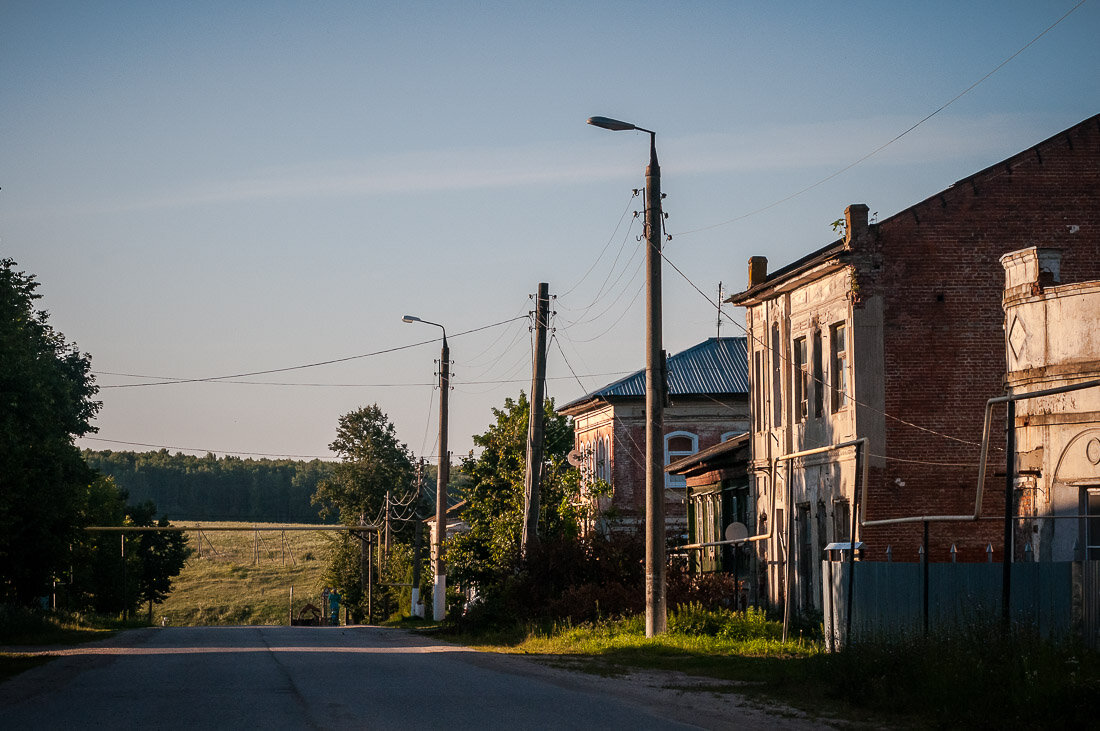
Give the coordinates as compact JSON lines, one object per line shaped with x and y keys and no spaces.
{"x":679,"y":444}
{"x":730,"y":435}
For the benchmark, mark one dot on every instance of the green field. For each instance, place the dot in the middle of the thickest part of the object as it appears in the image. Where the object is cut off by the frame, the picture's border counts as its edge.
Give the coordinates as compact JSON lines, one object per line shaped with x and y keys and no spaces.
{"x":245,"y":576}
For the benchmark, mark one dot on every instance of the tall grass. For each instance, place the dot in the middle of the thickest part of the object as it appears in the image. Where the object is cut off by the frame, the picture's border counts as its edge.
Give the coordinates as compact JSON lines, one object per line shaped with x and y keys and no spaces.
{"x":980,"y":678}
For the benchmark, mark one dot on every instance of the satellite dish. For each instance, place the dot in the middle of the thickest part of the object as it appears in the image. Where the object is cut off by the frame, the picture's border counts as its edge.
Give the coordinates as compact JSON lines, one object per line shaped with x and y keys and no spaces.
{"x":575,"y":458}
{"x":736,"y":532}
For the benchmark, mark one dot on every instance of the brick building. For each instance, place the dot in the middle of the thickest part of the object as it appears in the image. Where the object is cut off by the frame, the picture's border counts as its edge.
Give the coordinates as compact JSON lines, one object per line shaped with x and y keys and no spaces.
{"x":894,"y":333}
{"x":708,"y":403}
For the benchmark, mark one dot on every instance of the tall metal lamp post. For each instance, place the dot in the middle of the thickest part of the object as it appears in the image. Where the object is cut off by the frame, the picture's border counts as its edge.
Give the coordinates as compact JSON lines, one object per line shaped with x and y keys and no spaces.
{"x":656,"y":614}
{"x":439,"y":594}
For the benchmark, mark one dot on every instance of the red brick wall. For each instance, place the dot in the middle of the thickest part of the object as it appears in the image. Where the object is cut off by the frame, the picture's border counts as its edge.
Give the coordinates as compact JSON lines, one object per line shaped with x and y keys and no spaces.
{"x":942,"y":281}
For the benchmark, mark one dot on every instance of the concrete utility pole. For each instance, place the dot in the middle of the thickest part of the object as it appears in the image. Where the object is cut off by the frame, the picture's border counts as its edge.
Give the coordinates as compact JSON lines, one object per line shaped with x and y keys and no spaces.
{"x":656,"y":614}
{"x":533,"y":478}
{"x":439,"y":593}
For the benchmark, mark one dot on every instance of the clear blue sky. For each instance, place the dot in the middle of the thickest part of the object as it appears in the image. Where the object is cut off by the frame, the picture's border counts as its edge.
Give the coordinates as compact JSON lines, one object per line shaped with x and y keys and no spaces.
{"x":210,"y":188}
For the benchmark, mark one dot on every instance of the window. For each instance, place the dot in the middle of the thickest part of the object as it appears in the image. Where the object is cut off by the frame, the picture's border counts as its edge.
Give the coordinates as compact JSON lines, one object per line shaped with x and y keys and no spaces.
{"x":819,"y":377}
{"x":777,"y":379}
{"x":758,"y":391}
{"x":679,"y":444}
{"x":838,"y":365}
{"x":842,"y":521}
{"x":801,"y":381}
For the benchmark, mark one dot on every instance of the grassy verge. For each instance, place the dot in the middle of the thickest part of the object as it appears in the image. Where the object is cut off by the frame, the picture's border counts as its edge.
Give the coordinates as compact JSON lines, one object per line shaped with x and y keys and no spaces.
{"x":977,"y":679}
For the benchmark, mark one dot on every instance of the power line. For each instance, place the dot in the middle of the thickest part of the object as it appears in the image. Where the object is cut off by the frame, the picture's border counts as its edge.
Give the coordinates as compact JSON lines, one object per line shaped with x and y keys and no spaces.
{"x":633,"y":195}
{"x":171,"y":381}
{"x":780,"y":356}
{"x":210,"y":451}
{"x":882,"y":147}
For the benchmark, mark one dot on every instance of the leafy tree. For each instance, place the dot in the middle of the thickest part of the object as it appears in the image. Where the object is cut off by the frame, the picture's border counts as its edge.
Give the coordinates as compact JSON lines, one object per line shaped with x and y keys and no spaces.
{"x":372,"y":462}
{"x":46,"y":400}
{"x":109,"y":580}
{"x":160,"y":555}
{"x":490,"y":550}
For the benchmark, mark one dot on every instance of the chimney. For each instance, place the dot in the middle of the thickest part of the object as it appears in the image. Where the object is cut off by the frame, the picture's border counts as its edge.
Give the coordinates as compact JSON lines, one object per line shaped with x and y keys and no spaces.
{"x":855,"y":223}
{"x":758,"y":270}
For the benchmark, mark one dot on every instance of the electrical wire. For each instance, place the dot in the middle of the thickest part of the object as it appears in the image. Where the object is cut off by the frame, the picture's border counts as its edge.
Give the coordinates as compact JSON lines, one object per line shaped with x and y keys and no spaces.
{"x":882,"y":147}
{"x":633,"y":195}
{"x":212,"y":451}
{"x":171,"y":381}
{"x":821,"y":382}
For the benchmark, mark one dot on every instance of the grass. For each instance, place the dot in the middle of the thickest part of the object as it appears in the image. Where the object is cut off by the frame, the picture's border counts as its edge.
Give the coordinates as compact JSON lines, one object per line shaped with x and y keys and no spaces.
{"x":239,"y":579}
{"x":977,"y":678}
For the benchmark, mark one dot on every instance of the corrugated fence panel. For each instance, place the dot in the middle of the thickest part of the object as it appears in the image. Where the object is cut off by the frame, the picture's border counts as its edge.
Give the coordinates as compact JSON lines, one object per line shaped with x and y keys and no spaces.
{"x":888,"y":598}
{"x":1090,"y":604}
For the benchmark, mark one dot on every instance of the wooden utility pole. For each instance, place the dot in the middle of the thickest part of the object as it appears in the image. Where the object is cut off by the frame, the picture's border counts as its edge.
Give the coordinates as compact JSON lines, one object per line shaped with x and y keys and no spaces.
{"x":387,"y":524}
{"x":533,"y":477}
{"x":418,"y":539}
{"x":364,"y":559}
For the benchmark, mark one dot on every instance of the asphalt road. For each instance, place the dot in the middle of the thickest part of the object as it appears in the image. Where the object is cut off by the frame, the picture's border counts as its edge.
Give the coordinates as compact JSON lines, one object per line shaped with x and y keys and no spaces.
{"x":341,"y":677}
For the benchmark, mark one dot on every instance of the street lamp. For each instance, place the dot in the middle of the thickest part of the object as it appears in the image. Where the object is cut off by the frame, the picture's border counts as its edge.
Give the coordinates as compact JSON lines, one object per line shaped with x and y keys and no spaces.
{"x":656,"y":613}
{"x":439,"y":594}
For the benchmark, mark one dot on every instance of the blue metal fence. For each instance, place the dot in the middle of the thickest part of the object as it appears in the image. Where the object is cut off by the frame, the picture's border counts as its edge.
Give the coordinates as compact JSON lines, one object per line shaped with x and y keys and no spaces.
{"x":891,"y":599}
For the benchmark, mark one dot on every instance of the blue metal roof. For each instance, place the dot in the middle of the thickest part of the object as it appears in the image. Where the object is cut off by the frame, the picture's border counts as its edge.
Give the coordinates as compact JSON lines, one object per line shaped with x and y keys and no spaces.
{"x":716,"y":366}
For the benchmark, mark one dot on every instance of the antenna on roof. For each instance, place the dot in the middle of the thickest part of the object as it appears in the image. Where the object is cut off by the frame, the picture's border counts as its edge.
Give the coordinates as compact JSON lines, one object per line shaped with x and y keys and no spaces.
{"x":719,"y":309}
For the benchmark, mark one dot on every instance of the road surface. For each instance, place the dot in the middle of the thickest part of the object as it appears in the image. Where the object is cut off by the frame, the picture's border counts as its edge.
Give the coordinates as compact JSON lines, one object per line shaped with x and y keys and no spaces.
{"x":339,"y":677}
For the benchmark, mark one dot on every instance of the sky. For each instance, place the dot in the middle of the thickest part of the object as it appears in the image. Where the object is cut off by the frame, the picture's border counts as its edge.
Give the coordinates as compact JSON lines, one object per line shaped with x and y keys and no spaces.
{"x":207,"y":189}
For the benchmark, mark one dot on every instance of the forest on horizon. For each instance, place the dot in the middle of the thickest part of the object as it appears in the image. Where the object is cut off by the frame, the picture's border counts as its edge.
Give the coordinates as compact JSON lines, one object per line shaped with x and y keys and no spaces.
{"x":187,"y":487}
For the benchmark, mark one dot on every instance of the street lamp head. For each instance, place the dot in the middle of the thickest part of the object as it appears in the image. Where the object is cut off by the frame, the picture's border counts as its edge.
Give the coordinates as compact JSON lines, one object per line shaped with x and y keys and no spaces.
{"x":410,"y":318}
{"x":611,"y":124}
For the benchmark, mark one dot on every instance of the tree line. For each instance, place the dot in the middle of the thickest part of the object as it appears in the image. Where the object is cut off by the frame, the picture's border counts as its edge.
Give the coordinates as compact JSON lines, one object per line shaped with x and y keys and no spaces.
{"x":217,"y":488}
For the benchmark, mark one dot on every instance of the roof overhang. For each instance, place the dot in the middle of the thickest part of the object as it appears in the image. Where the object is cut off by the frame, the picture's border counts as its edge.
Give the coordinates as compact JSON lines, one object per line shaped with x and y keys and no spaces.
{"x":819,"y":264}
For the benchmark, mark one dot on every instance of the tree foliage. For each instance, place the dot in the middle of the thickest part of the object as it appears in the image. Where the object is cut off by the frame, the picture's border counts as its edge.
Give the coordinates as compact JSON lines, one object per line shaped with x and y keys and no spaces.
{"x":216,"y":488}
{"x":46,"y":400}
{"x":114,"y":572}
{"x":372,"y":462}
{"x":490,"y":550}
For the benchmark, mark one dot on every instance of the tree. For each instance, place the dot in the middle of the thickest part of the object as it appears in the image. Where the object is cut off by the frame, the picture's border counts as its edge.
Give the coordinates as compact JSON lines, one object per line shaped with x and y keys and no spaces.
{"x":372,"y":462}
{"x":490,"y":550}
{"x":109,"y":580}
{"x":160,"y":555}
{"x":46,"y":400}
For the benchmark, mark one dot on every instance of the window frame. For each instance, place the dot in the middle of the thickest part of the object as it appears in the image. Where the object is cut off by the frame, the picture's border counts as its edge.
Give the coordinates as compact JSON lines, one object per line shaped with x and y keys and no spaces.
{"x":669,"y":482}
{"x":838,"y":367}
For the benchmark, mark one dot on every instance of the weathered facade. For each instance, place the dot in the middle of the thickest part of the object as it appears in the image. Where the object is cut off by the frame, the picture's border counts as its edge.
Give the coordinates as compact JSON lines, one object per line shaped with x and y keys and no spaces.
{"x":894,"y":335}
{"x":1052,"y":340}
{"x":708,"y":403}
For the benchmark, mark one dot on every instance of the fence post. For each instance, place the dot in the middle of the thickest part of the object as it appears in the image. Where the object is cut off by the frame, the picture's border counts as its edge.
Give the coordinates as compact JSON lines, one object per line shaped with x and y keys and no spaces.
{"x":924,"y":567}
